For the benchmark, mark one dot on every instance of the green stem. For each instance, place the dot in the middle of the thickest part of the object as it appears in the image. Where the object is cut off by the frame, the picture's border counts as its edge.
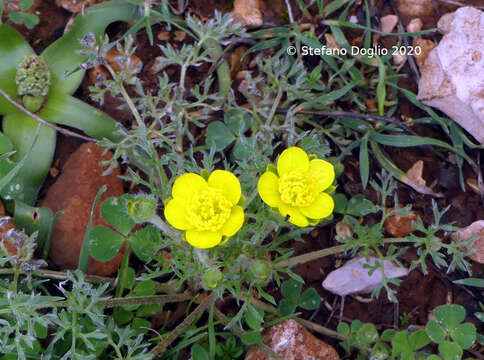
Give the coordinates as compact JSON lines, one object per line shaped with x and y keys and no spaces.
{"x":123,"y":269}
{"x":161,"y":348}
{"x":301,"y":259}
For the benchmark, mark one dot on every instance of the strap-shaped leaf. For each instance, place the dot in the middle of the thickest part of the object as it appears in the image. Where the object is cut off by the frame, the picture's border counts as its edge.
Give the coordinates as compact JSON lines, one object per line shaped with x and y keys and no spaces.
{"x":62,"y":56}
{"x":13,"y":48}
{"x":63,"y":109}
{"x":20,"y":128}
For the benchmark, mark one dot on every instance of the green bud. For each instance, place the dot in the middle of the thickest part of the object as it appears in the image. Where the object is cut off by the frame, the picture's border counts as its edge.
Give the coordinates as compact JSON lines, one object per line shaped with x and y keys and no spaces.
{"x":142,"y":209}
{"x":32,"y":103}
{"x":32,"y":77}
{"x":212,"y":279}
{"x":260,"y":270}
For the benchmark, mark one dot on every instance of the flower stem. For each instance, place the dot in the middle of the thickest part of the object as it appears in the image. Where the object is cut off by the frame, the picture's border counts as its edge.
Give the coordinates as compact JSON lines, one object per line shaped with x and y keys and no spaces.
{"x":301,"y":259}
{"x":123,"y":269}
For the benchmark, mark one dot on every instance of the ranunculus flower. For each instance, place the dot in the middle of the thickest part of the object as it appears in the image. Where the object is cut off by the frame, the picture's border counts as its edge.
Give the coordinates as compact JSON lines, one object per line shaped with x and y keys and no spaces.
{"x":298,"y":187}
{"x":207,"y":210}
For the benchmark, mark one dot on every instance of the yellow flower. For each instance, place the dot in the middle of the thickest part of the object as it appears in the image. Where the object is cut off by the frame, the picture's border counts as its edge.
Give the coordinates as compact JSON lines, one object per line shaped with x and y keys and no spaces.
{"x":207,"y":210}
{"x":298,"y":189}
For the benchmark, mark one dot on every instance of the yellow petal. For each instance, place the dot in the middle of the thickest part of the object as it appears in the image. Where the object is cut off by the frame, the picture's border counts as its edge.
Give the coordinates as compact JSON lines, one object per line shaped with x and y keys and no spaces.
{"x":203,"y":239}
{"x":228,"y":183}
{"x":268,"y":187}
{"x":321,"y":207}
{"x":323,"y":172}
{"x":292,"y":159}
{"x":295,"y":216}
{"x":234,"y":222}
{"x":176,"y":214}
{"x":188,"y":185}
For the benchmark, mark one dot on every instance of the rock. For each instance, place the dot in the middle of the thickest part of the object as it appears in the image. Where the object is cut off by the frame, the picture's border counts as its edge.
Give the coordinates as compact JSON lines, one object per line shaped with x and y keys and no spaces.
{"x":388,"y":23}
{"x":248,"y":12}
{"x":401,"y":226}
{"x":73,"y":193}
{"x":76,"y":6}
{"x":453,"y":77}
{"x":415,"y":25}
{"x":476,"y":228}
{"x":7,"y":225}
{"x":415,"y":8}
{"x":444,"y":23}
{"x":426,"y":46}
{"x":353,"y":277}
{"x":292,"y":341}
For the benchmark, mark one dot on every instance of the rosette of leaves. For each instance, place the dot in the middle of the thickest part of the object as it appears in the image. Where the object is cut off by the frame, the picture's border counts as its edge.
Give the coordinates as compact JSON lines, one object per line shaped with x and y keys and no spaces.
{"x":52,"y":98}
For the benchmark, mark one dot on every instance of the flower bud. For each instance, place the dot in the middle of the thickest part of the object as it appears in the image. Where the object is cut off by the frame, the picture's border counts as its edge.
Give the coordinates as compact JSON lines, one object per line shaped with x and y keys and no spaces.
{"x":142,"y":209}
{"x":212,"y":279}
{"x":260,"y":270}
{"x":33,"y":81}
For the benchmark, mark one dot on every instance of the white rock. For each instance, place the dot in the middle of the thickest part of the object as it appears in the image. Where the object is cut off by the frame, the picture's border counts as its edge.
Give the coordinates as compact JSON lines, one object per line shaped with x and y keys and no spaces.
{"x":453,"y":76}
{"x":388,"y":23}
{"x":353,"y":277}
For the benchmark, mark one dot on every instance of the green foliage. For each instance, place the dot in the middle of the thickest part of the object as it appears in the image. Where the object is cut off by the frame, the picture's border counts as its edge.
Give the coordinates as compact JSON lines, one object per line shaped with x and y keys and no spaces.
{"x":447,"y":332}
{"x":30,"y":20}
{"x":291,"y":290}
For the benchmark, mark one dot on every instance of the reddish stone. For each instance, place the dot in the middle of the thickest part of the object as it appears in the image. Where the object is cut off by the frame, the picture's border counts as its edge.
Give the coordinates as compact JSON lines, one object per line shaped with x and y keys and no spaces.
{"x":401,"y":226}
{"x":73,"y":194}
{"x":293,"y":341}
{"x":474,"y":229}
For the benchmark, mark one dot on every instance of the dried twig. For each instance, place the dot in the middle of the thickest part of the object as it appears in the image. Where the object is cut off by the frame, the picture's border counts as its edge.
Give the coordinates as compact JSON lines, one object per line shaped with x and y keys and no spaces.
{"x":161,"y":348}
{"x":42,"y":121}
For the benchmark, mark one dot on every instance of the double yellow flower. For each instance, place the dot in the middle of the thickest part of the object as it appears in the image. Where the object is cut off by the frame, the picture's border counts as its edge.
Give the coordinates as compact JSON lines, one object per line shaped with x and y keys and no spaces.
{"x":210,"y":212}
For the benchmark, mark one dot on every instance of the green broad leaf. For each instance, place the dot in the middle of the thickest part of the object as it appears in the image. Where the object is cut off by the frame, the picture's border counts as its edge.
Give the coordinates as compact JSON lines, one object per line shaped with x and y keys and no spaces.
{"x":450,"y":351}
{"x":5,"y":144}
{"x":244,"y":147}
{"x":254,"y":317}
{"x":340,"y":203}
{"x":450,"y":315}
{"x":122,"y":316}
{"x":141,"y":326}
{"x":310,"y":299}
{"x":114,"y":211}
{"x":286,"y":307}
{"x":13,"y":48}
{"x":25,"y":4}
{"x":367,"y":334}
{"x":30,"y":20}
{"x":291,"y":290}
{"x":62,"y":56}
{"x":360,"y":206}
{"x":199,"y":353}
{"x":435,"y":332}
{"x":104,"y":243}
{"x":356,"y":325}
{"x":343,"y":328}
{"x":149,"y":310}
{"x":400,"y":343}
{"x":219,"y":134}
{"x":434,"y":357}
{"x":237,"y":120}
{"x":464,"y":335}
{"x":20,"y":128}
{"x":476,"y":282}
{"x":251,"y":337}
{"x":84,"y":253}
{"x":16,"y":17}
{"x":144,"y":288}
{"x":63,"y":109}
{"x":388,"y":334}
{"x":418,"y":340}
{"x":146,"y":242}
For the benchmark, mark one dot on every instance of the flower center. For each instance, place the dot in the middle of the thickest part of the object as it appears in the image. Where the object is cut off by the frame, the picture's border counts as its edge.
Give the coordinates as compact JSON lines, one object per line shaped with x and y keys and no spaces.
{"x":297,"y":189}
{"x":209,"y":210}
